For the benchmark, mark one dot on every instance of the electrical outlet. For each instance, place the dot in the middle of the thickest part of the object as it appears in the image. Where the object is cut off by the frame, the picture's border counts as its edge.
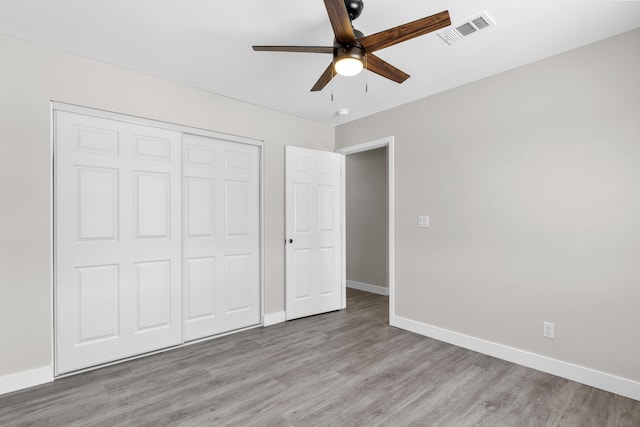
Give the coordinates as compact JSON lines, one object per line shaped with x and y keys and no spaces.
{"x":548,"y":330}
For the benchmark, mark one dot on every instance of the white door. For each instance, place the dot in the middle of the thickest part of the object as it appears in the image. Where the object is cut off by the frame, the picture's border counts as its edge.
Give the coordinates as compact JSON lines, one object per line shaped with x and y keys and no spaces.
{"x":313,"y":226}
{"x":221,"y":226}
{"x":117,"y":240}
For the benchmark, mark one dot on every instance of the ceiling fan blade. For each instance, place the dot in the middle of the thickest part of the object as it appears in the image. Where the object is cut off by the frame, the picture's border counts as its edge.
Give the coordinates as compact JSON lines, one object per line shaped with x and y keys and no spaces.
{"x":303,"y":49}
{"x":324,"y":79}
{"x":340,"y":21}
{"x":405,"y":32}
{"x":384,"y":69}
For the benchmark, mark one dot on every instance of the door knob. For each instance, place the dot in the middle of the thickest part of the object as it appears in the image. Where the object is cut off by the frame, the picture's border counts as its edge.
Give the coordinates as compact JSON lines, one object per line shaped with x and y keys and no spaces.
{"x":290,"y":240}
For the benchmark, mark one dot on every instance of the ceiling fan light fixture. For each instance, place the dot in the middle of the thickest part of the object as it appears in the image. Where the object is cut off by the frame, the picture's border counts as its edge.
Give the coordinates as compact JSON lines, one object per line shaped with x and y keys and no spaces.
{"x":349,"y":61}
{"x":348,"y":66}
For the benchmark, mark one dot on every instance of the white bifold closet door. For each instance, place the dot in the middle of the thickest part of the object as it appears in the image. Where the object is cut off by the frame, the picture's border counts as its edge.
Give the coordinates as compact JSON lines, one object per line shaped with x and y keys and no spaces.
{"x":221,"y":226}
{"x":117,"y":240}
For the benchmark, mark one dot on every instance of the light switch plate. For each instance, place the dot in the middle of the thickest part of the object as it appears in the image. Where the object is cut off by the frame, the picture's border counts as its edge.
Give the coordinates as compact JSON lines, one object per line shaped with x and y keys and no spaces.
{"x":423,"y":221}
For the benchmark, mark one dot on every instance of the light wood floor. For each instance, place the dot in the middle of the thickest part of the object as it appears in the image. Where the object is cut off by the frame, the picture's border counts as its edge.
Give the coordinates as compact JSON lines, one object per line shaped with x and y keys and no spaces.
{"x":338,"y":369}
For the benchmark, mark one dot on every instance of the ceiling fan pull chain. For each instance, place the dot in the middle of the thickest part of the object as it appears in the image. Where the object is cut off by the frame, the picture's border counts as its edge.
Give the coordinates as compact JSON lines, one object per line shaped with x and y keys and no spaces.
{"x":366,"y":75}
{"x":332,"y":79}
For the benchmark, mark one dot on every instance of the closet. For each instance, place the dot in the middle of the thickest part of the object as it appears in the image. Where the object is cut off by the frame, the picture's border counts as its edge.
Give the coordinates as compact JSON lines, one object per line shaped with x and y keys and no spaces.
{"x":156,"y":236}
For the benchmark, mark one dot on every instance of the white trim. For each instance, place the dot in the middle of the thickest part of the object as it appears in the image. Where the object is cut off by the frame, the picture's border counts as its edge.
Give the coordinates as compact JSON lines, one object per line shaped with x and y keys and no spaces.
{"x":591,"y":377}
{"x":261,"y":207}
{"x":96,"y":112}
{"x":26,"y":379}
{"x":392,"y":227}
{"x":343,"y":231}
{"x":274,"y":318}
{"x":366,"y":146}
{"x":371,"y":145}
{"x":52,"y":243}
{"x":374,"y":289}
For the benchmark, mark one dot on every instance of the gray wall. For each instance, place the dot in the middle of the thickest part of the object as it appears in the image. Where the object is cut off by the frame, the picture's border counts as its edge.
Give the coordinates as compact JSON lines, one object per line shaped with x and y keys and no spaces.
{"x":531,"y":179}
{"x":31,"y":76}
{"x":367,"y":217}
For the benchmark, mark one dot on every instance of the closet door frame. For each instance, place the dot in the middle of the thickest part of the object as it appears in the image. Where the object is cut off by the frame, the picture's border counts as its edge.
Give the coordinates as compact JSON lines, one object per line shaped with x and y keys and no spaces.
{"x":71,"y":108}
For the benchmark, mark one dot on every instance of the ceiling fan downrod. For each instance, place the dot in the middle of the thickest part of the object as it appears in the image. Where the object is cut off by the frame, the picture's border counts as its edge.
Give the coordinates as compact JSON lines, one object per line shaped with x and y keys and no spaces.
{"x":354,"y":8}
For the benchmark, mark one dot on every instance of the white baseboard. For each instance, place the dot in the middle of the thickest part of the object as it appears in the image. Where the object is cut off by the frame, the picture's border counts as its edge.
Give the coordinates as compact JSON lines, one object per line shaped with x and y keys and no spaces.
{"x":25,"y":379}
{"x":374,"y":289}
{"x":591,"y":377}
{"x":273,"y":318}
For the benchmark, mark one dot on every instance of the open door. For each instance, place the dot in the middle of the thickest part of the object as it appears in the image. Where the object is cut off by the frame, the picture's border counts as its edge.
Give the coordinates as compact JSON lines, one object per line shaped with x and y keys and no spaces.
{"x":313,"y":226}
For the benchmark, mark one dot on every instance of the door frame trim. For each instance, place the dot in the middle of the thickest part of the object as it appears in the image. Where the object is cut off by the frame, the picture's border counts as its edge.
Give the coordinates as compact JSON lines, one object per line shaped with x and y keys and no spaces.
{"x":387,"y":142}
{"x":123,"y":117}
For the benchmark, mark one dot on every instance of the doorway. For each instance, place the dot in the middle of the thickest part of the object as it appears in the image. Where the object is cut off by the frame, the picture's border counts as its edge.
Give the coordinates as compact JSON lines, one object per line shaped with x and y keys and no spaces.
{"x":375,"y":246}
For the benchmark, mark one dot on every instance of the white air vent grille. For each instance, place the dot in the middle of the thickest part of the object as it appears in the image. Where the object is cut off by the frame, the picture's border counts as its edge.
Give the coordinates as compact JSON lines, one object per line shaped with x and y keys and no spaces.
{"x":480,"y":22}
{"x":465,"y":29}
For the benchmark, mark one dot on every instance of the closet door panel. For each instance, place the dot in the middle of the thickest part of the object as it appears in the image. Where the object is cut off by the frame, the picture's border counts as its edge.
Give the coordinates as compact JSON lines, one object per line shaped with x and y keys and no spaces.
{"x":117,"y":240}
{"x":221,"y":240}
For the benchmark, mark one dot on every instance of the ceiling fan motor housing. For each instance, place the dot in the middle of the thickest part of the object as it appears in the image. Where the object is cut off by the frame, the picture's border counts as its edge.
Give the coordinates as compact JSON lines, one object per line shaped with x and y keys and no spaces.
{"x":355,"y":52}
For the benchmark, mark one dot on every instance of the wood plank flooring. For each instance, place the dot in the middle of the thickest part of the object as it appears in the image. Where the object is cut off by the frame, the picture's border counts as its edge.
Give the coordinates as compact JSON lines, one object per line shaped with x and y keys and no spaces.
{"x":346,"y":368}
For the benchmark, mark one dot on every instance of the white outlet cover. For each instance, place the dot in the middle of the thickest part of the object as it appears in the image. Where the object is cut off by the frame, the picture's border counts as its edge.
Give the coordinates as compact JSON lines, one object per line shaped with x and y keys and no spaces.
{"x":548,"y":329}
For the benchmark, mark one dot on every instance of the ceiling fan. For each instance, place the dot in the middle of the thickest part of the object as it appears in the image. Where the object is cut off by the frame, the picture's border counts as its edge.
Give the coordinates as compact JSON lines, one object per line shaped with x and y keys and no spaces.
{"x":352,"y":50}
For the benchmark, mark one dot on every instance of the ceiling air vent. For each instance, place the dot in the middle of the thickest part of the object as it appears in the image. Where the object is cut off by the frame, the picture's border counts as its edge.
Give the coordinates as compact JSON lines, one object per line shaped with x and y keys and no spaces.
{"x":466,"y":29}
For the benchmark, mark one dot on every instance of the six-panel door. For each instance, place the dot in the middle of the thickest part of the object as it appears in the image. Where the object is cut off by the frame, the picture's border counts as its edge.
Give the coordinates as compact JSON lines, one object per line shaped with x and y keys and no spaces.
{"x":117,"y":240}
{"x":313,"y":226}
{"x":153,"y":246}
{"x":221,"y":228}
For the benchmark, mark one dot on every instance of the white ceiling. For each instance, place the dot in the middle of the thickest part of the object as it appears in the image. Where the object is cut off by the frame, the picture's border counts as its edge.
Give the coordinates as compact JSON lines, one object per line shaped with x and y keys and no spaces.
{"x":207,"y":44}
